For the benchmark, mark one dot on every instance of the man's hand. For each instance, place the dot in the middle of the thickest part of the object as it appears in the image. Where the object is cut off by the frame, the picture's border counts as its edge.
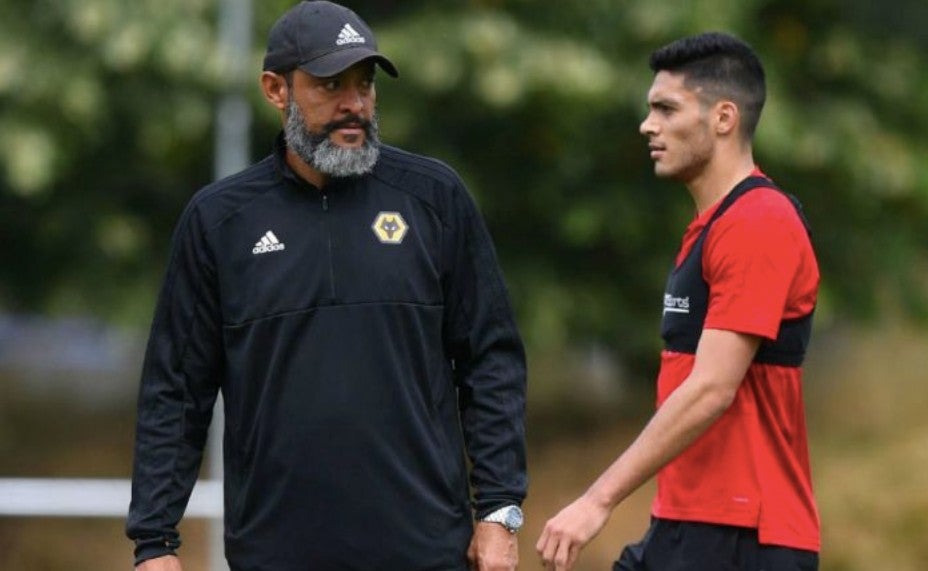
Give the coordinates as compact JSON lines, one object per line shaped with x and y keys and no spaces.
{"x":493,"y":548}
{"x":567,"y":532}
{"x":163,"y":563}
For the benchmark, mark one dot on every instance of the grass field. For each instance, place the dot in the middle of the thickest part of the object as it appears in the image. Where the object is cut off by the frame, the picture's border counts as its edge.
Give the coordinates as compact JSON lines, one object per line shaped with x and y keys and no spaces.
{"x":867,"y":402}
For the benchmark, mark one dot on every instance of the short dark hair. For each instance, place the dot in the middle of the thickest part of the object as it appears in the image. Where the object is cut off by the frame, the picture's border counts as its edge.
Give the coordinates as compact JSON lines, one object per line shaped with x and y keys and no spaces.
{"x":724,"y":67}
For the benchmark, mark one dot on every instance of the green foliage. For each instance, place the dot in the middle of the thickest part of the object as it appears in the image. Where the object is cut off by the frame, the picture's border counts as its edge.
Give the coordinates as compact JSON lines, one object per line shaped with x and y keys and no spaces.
{"x":106,"y":120}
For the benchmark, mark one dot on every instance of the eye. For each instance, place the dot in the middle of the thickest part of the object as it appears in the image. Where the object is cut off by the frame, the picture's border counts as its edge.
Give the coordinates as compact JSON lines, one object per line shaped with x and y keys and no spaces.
{"x":332,"y":84}
{"x":662,"y":108}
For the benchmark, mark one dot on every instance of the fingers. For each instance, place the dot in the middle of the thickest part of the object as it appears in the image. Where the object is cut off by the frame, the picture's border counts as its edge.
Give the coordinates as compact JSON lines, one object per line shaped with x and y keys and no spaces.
{"x":547,"y":546}
{"x":565,"y":534}
{"x":542,"y":541}
{"x":472,"y":556}
{"x":562,"y":556}
{"x":558,"y":546}
{"x":553,"y":548}
{"x":559,"y":555}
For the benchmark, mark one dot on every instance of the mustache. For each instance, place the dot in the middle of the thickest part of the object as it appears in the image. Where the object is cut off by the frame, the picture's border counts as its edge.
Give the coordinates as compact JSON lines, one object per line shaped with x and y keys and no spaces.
{"x":347,"y":121}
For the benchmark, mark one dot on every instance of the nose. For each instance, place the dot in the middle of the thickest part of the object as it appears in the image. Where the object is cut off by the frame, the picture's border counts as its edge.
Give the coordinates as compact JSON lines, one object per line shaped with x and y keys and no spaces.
{"x":647,"y":127}
{"x":354,"y":100}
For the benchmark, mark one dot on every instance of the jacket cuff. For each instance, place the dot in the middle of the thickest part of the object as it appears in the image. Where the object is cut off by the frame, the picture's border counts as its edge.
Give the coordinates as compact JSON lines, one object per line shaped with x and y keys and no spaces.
{"x":146,"y":549}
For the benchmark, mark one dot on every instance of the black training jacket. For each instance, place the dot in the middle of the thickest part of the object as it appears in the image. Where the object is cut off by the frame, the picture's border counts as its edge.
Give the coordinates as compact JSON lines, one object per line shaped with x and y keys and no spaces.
{"x":363,"y":339}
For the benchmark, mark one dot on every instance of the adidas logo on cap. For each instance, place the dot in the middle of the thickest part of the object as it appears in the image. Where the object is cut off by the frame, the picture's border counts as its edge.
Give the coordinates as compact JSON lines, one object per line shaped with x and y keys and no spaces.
{"x":348,"y":35}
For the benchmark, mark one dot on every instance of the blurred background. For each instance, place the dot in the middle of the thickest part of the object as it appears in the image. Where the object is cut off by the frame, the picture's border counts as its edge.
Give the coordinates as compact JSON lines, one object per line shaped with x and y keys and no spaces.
{"x":110,"y":116}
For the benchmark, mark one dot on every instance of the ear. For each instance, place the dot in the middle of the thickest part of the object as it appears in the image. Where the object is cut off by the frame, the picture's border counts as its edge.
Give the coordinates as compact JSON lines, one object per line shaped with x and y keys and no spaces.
{"x":727,"y":117}
{"x":275,"y":89}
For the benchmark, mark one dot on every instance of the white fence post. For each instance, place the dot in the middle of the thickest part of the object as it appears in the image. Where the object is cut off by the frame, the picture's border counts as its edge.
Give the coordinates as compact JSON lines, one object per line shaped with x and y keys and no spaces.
{"x":76,"y":497}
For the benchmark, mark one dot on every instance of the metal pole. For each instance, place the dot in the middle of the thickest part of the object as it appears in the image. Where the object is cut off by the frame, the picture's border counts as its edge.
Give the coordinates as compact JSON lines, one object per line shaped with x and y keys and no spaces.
{"x":233,"y":121}
{"x":233,"y":116}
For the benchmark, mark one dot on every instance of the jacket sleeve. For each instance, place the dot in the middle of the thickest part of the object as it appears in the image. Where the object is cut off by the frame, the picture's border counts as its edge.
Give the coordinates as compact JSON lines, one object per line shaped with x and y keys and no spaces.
{"x":179,"y":384}
{"x":488,"y":359}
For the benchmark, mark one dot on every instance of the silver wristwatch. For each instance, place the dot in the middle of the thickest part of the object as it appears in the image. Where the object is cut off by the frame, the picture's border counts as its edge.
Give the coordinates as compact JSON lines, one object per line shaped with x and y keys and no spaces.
{"x":509,"y":517}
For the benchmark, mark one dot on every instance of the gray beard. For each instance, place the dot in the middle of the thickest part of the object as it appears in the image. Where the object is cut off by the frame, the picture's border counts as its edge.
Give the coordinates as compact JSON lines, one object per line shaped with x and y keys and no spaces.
{"x":319,"y":152}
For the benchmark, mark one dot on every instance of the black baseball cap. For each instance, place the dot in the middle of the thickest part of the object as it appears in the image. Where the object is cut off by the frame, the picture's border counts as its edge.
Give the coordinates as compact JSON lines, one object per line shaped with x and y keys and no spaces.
{"x":323,"y":39}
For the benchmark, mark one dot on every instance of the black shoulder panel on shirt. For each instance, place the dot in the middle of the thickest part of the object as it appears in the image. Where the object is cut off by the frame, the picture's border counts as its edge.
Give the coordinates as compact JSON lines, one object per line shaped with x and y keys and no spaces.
{"x":221,"y":199}
{"x":396,"y":162}
{"x":428,"y":179}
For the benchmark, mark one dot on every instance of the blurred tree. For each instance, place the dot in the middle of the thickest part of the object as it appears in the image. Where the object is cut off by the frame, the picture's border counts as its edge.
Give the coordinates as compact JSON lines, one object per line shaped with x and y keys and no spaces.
{"x":106,"y":112}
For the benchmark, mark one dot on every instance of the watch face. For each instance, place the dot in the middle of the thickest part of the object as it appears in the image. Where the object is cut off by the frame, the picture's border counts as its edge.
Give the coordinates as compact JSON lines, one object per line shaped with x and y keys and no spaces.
{"x":514,"y":518}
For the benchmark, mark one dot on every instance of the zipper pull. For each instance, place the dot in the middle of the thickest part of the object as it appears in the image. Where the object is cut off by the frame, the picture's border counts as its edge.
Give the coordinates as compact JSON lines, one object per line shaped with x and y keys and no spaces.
{"x":325,"y":202}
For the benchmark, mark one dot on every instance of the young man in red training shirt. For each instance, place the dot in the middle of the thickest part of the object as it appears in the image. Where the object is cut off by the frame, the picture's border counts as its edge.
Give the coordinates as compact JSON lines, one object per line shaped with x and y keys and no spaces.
{"x":728,"y":440}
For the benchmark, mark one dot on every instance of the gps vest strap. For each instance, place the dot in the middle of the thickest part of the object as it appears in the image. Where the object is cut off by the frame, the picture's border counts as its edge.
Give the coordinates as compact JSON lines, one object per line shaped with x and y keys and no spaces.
{"x":686,"y":297}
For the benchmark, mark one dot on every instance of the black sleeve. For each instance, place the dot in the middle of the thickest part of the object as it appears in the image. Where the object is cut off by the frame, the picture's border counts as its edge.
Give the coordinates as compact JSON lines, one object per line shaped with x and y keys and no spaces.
{"x":489,"y":361}
{"x":180,"y":380}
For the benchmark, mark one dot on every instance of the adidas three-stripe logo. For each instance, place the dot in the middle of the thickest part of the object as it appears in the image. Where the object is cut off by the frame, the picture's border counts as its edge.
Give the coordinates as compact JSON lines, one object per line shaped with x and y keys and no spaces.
{"x":268,"y":243}
{"x":348,"y":35}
